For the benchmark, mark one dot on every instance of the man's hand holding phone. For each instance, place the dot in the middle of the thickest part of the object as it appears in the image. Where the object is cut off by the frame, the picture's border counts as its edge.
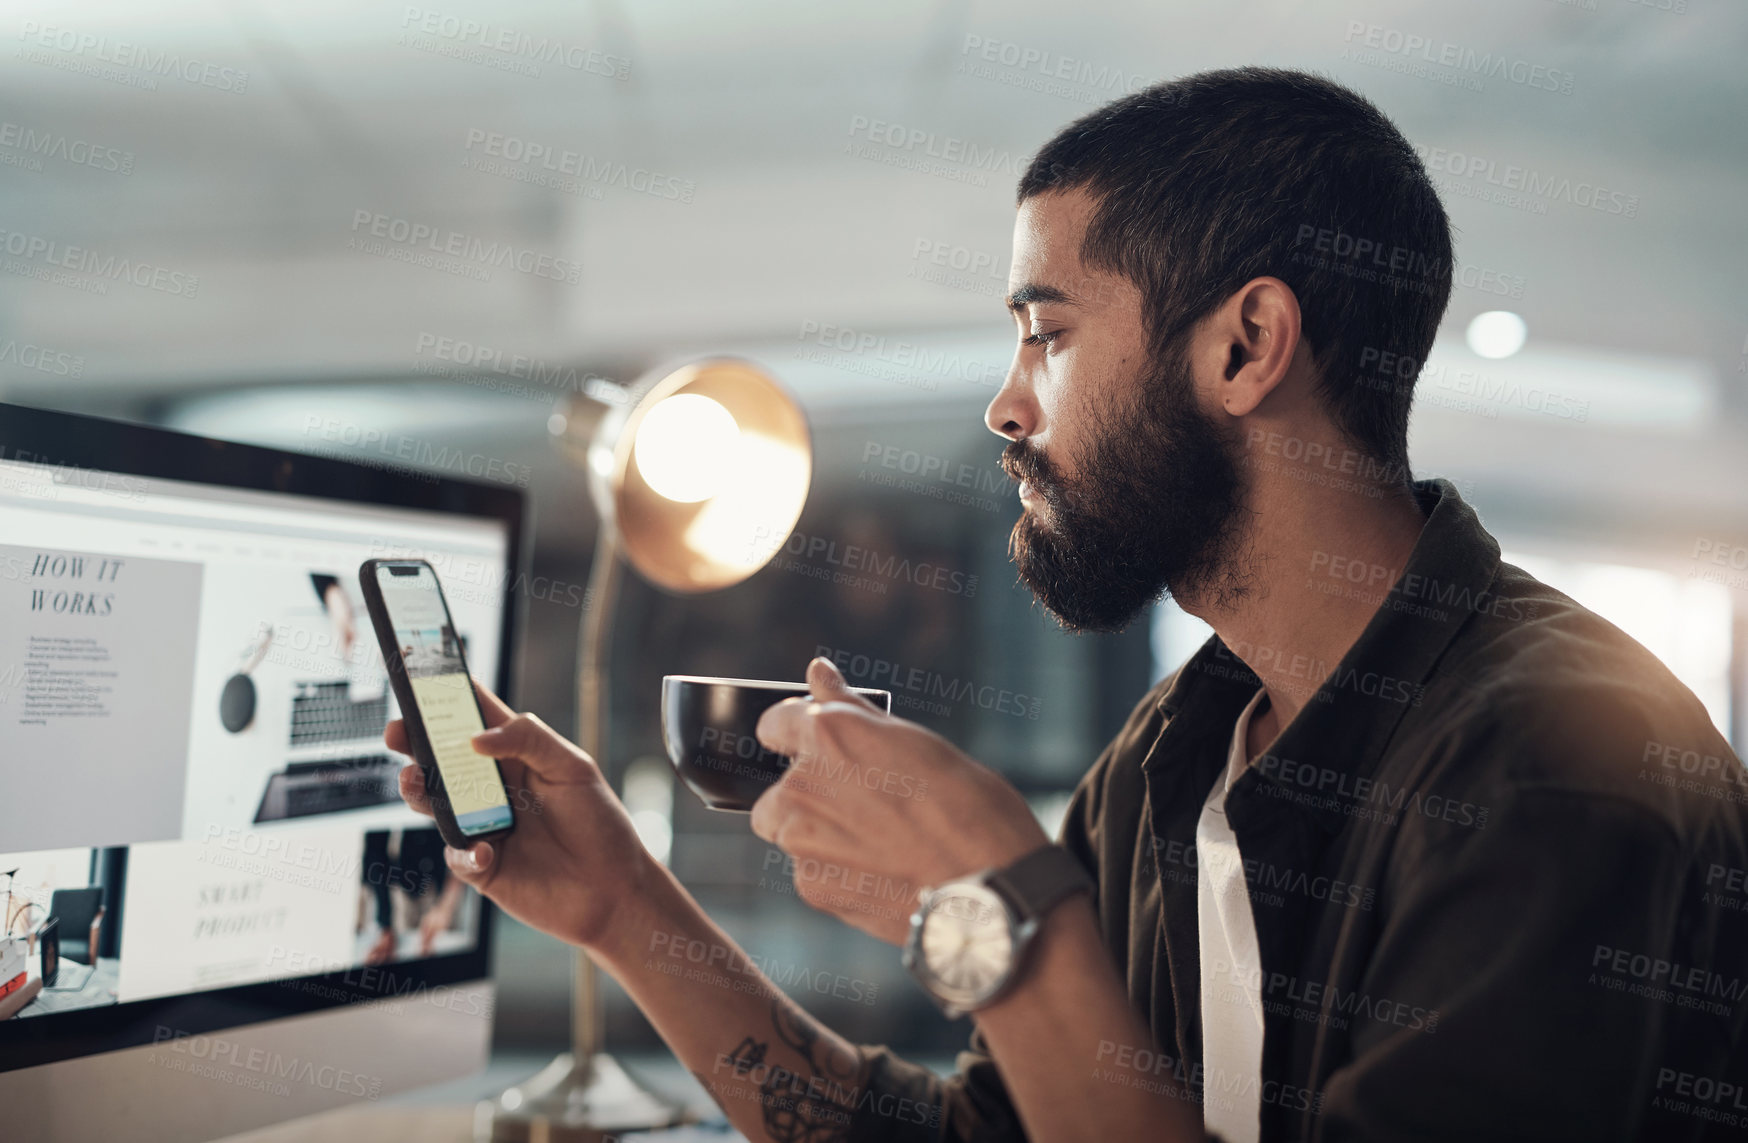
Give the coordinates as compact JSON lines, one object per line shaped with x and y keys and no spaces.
{"x":574,"y":860}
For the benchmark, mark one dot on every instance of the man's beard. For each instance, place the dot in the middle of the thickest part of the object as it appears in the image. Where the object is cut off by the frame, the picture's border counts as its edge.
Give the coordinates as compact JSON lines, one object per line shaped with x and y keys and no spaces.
{"x":1158,"y":506}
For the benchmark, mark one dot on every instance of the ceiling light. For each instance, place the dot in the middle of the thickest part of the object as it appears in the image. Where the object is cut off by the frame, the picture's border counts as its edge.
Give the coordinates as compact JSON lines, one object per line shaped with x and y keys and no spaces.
{"x":1496,"y":334}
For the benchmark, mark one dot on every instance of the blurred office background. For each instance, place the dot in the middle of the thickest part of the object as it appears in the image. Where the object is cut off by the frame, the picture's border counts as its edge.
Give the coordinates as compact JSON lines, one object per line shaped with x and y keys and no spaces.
{"x":371,"y":229}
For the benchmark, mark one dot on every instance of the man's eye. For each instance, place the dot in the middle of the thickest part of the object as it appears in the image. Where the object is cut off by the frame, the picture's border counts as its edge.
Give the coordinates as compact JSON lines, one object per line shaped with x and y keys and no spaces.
{"x":1042,"y":337}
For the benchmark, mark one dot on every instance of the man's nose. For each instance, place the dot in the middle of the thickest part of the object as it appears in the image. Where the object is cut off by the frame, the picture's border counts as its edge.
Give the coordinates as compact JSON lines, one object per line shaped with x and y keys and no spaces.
{"x":1013,"y":413}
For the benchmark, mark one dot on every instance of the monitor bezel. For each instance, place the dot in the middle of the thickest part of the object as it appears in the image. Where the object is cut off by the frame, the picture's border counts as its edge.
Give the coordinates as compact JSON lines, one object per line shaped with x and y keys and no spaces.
{"x":52,"y":437}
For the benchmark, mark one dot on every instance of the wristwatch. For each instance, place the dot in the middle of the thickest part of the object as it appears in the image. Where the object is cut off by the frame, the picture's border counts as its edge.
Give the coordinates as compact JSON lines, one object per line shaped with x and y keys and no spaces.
{"x":968,"y":937}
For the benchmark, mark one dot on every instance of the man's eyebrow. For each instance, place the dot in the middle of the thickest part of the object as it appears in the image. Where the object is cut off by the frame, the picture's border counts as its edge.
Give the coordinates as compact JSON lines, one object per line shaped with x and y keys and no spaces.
{"x":1033,"y":293}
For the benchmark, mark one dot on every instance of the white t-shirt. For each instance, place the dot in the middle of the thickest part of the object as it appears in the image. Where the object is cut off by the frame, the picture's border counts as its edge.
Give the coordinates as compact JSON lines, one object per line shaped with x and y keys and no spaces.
{"x":1231,"y":964}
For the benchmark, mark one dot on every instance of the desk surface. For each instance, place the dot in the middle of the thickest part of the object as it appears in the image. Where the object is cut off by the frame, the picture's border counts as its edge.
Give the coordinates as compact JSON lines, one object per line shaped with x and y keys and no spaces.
{"x":444,"y":1112}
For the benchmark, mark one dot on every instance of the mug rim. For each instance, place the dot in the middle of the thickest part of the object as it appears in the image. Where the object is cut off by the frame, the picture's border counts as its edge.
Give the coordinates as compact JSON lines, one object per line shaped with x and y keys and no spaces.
{"x":773,"y":684}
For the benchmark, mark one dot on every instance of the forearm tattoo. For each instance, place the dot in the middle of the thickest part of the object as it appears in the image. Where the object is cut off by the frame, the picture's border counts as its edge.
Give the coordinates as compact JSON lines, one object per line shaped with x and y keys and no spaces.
{"x":798,"y":1108}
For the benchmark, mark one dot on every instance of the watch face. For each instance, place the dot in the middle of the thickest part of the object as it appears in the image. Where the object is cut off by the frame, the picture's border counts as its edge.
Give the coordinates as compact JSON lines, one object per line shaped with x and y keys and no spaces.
{"x":966,"y":943}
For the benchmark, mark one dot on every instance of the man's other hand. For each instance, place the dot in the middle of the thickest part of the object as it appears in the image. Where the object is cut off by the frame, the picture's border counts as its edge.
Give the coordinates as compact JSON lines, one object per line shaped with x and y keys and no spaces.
{"x":874,"y":809}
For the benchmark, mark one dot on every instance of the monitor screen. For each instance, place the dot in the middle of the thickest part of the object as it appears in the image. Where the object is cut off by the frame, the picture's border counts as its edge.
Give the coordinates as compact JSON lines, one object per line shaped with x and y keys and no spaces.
{"x":195,"y":786}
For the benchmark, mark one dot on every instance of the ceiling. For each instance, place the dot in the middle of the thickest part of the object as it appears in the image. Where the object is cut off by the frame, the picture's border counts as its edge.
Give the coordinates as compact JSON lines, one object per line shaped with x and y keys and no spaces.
{"x":755,"y":210}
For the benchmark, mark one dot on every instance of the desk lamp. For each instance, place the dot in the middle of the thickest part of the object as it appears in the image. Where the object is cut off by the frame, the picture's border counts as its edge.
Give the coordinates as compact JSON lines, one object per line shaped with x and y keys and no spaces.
{"x":699,"y":474}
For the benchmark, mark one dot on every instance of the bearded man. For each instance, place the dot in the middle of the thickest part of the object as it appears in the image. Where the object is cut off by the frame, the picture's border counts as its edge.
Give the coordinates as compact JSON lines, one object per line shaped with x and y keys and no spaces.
{"x":1415,"y":847}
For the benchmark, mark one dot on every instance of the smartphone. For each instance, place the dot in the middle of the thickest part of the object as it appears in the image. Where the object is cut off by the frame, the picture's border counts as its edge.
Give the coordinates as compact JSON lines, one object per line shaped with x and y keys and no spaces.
{"x":428,"y":670}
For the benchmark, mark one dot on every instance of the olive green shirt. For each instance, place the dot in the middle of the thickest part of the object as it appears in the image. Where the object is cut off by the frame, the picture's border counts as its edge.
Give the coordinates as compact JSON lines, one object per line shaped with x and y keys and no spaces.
{"x":1498,"y":865}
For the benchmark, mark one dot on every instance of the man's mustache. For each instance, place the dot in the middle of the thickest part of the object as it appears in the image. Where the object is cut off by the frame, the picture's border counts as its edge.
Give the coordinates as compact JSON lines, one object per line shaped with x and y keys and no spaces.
{"x":1024,"y":462}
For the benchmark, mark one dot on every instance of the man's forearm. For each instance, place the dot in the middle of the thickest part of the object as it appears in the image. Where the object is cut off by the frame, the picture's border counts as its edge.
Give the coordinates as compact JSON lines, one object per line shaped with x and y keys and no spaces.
{"x":1066,"y":1041}
{"x":775,"y":1071}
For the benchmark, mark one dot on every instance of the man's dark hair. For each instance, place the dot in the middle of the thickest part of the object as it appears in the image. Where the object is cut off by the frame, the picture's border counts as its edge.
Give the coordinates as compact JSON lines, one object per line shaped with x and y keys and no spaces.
{"x":1205,"y":182}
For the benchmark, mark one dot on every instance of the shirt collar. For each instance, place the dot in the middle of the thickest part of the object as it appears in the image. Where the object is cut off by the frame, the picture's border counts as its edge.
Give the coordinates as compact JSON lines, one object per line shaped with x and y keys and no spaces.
{"x":1238,"y":754}
{"x":1346,"y":724}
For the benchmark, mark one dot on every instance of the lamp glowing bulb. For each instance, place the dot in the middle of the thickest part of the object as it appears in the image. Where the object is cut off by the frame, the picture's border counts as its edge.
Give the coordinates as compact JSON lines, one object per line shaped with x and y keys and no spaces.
{"x":1496,"y":334}
{"x":683,"y":445}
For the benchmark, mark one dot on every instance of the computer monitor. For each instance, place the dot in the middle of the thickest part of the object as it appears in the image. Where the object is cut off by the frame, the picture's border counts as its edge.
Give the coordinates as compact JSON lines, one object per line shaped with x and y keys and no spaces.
{"x":248,"y":923}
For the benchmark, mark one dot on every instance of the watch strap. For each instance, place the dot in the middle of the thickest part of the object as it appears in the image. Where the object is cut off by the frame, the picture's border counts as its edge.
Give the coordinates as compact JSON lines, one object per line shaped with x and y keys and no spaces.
{"x":1037,"y":882}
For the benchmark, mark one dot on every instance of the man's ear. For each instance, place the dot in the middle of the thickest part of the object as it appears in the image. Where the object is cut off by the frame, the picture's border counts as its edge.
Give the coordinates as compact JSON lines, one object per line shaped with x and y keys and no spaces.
{"x":1256,"y":334}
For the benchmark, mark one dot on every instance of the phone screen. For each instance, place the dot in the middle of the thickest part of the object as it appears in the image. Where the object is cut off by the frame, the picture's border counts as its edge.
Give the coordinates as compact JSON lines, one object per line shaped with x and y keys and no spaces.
{"x":431,"y":654}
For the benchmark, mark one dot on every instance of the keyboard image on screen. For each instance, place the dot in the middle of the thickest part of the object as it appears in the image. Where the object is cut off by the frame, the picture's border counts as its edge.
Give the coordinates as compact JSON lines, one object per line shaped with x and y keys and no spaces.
{"x":336,"y":761}
{"x":322,"y":712}
{"x":305,"y":788}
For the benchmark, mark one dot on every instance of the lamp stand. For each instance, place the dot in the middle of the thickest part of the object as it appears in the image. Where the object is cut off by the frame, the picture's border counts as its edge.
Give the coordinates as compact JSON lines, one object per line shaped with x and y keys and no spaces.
{"x":583,"y":1095}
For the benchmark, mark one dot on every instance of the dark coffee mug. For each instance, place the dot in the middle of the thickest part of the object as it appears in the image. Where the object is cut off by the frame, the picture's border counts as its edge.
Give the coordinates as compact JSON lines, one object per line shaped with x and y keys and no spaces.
{"x":708,"y":727}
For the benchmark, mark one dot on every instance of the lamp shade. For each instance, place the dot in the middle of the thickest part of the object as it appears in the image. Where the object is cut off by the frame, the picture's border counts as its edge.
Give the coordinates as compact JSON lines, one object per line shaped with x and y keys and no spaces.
{"x":702,"y":472}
